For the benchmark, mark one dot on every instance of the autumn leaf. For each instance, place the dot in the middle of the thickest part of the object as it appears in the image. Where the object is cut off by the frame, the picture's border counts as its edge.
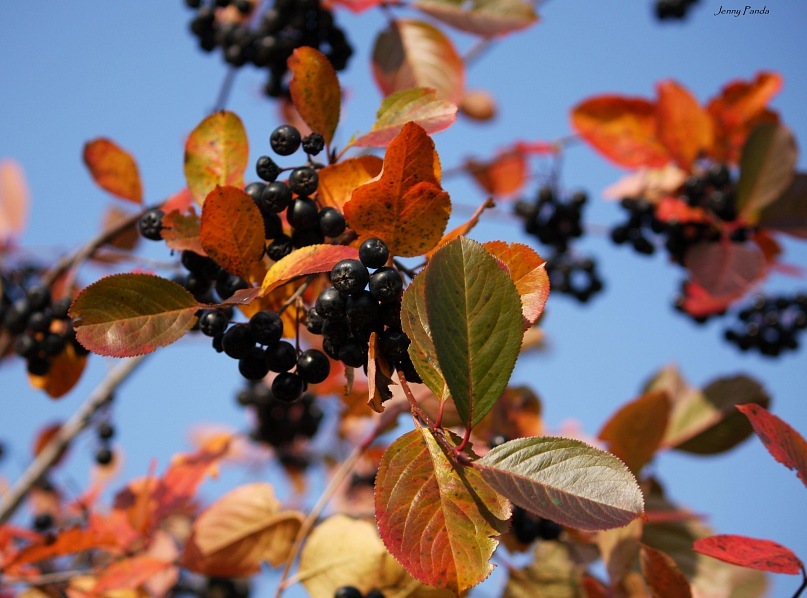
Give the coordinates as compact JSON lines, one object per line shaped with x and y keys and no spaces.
{"x":552,"y":572}
{"x":636,"y":430}
{"x":231,"y":230}
{"x":684,"y":127}
{"x":622,"y":129}
{"x":406,"y":206}
{"x":68,"y":541}
{"x":315,"y":90}
{"x":379,"y":376}
{"x":503,"y":175}
{"x":419,"y":105}
{"x":113,"y":169}
{"x":412,"y":53}
{"x":14,"y":199}
{"x":415,"y":323}
{"x":725,"y":270}
{"x":128,"y":573}
{"x":475,"y":315}
{"x":124,"y":315}
{"x":182,"y":231}
{"x":482,"y":17}
{"x":438,"y":519}
{"x":64,"y":373}
{"x":753,"y":553}
{"x":337,"y":181}
{"x":786,"y":445}
{"x":767,"y":166}
{"x":528,"y":271}
{"x":307,"y":260}
{"x":216,"y":153}
{"x":788,"y":212}
{"x":663,"y":575}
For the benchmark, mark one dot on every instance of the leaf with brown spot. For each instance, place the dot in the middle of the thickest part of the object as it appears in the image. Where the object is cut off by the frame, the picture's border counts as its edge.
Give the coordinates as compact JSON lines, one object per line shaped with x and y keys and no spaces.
{"x":182,"y":231}
{"x":663,"y":575}
{"x":684,"y":126}
{"x":528,"y":271}
{"x":306,"y":260}
{"x":113,"y":169}
{"x":231,"y":230}
{"x":636,"y":430}
{"x":337,"y":181}
{"x":784,"y":443}
{"x":406,"y":206}
{"x":315,"y":90}
{"x":753,"y":553}
{"x":439,"y":519}
{"x":216,"y":153}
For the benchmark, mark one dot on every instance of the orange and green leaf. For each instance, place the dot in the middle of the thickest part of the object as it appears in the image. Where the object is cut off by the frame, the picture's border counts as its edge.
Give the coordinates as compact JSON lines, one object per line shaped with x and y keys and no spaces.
{"x":113,"y":169}
{"x":315,"y":91}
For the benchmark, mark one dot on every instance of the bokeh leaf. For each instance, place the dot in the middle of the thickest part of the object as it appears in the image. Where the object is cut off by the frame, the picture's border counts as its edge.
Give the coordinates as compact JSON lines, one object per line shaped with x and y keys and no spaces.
{"x":307,"y":260}
{"x":216,"y":153}
{"x":783,"y":442}
{"x":474,"y":312}
{"x":663,"y":575}
{"x":406,"y":206}
{"x":564,"y":480}
{"x":419,"y":105}
{"x":64,"y":373}
{"x":504,"y":175}
{"x":552,"y":573}
{"x":129,"y":573}
{"x":438,"y":519}
{"x":766,"y":168}
{"x":482,"y":17}
{"x":725,"y":269}
{"x":315,"y":90}
{"x":753,"y":553}
{"x":231,"y":230}
{"x":113,"y":169}
{"x":14,"y":199}
{"x":788,"y":213}
{"x":124,"y":315}
{"x":684,"y":126}
{"x":182,"y":231}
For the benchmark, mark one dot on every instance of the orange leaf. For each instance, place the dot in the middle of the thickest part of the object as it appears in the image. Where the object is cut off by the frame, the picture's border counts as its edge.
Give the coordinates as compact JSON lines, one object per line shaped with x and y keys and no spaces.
{"x":315,"y":90}
{"x":784,"y":443}
{"x":307,"y":260}
{"x":113,"y":169}
{"x":180,"y":201}
{"x":504,"y":175}
{"x":697,"y":302}
{"x":128,"y":573}
{"x":64,"y":373}
{"x":406,"y":207}
{"x":528,"y":271}
{"x":337,"y":181}
{"x":182,"y":231}
{"x":231,"y":230}
{"x":69,"y":541}
{"x":663,"y":575}
{"x":216,"y":153}
{"x":636,"y":430}
{"x":684,"y":127}
{"x":14,"y":198}
{"x":622,"y":129}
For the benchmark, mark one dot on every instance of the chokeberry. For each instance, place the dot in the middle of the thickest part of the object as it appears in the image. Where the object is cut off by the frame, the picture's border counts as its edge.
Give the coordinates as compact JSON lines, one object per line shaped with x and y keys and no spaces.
{"x":272,"y":226}
{"x":386,"y":285}
{"x":213,"y":322}
{"x":254,"y":365}
{"x":280,"y":248}
{"x":150,"y":224}
{"x":353,"y":354}
{"x":38,"y":297}
{"x":313,"y":144}
{"x":347,"y":592}
{"x":267,"y":169}
{"x":266,"y":327}
{"x":302,"y":214}
{"x":314,"y":321}
{"x":276,"y":197}
{"x":331,"y":222}
{"x":104,"y":456}
{"x":227,"y":284}
{"x":281,"y":356}
{"x":373,"y":253}
{"x":255,"y":190}
{"x":288,"y":387}
{"x":285,"y":140}
{"x":361,"y":309}
{"x":53,"y":344}
{"x":304,"y":238}
{"x":304,"y":180}
{"x":237,"y":341}
{"x":330,"y":304}
{"x":349,"y":276}
{"x":105,"y":430}
{"x":313,"y":366}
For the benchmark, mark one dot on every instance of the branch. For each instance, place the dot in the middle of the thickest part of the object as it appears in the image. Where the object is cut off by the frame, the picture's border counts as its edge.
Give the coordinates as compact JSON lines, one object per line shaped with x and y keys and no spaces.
{"x":71,"y":428}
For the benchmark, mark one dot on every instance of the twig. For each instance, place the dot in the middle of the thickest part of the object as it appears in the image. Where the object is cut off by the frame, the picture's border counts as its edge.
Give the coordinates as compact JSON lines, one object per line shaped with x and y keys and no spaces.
{"x":413,"y":404}
{"x":225,"y":89}
{"x":71,"y":428}
{"x":803,"y":585}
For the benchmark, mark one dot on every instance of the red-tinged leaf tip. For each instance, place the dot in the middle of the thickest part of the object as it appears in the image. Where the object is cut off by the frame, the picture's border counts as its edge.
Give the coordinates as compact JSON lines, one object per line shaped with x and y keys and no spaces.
{"x":307,"y":260}
{"x":315,"y":90}
{"x":124,"y":315}
{"x":113,"y":169}
{"x":753,"y":553}
{"x":784,"y":443}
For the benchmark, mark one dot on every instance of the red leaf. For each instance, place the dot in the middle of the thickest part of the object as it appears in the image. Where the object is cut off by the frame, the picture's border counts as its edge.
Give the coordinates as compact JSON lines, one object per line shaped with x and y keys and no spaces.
{"x":68,"y":541}
{"x":698,"y":303}
{"x":315,"y":90}
{"x":14,"y":198}
{"x":307,"y":260}
{"x":129,"y":573}
{"x":622,"y":129}
{"x":113,"y":169}
{"x":725,"y":270}
{"x":750,"y":552}
{"x":783,"y":442}
{"x":663,"y":575}
{"x":684,"y":127}
{"x":504,"y":175}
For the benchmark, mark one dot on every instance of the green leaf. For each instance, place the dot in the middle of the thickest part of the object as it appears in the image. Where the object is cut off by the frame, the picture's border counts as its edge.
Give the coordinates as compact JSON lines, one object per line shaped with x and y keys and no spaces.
{"x":482,"y":17}
{"x":419,"y":105}
{"x":437,"y":518}
{"x":766,"y":168}
{"x":788,"y":213}
{"x":131,"y":314}
{"x":415,"y":323}
{"x":564,"y":480}
{"x":474,"y":311}
{"x":216,"y":153}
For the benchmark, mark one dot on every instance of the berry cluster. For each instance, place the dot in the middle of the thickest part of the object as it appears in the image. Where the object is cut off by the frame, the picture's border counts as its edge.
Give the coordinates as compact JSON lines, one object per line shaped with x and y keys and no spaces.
{"x":710,"y":194}
{"x":528,"y":527}
{"x":267,"y":39}
{"x":279,"y":423}
{"x":353,"y":592}
{"x":41,"y":325}
{"x":360,"y":303}
{"x":770,"y":325}
{"x":105,"y":432}
{"x":673,"y":9}
{"x":556,"y":223}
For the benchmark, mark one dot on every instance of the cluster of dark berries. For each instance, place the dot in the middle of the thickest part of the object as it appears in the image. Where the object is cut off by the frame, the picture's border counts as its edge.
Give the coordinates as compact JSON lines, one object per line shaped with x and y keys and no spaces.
{"x":309,"y":224}
{"x":360,"y":303}
{"x":712,"y":192}
{"x":770,"y":325}
{"x":673,"y":9}
{"x":41,"y":325}
{"x":267,"y":39}
{"x":556,"y":223}
{"x":280,"y":423}
{"x":528,"y":527}
{"x":353,"y":592}
{"x":105,"y":432}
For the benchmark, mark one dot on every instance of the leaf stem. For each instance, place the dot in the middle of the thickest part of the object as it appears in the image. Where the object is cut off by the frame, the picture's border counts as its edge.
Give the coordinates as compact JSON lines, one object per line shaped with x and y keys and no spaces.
{"x":803,"y":585}
{"x":72,"y":427}
{"x":225,"y":89}
{"x":413,"y":404}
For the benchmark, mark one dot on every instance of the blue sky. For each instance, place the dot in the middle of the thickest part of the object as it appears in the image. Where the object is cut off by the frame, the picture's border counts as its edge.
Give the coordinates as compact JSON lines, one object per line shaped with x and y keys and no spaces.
{"x":130,"y":71}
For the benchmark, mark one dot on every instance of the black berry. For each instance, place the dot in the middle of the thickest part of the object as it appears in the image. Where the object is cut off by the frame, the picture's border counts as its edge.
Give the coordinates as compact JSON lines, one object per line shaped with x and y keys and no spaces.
{"x":285,"y":140}
{"x":373,"y":253}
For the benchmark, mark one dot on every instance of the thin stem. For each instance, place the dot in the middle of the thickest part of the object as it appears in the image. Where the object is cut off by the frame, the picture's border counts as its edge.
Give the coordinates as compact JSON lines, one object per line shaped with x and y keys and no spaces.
{"x":297,"y":294}
{"x":476,"y":51}
{"x":71,"y":428}
{"x":413,"y":404}
{"x":225,"y":89}
{"x":408,"y":271}
{"x":803,"y":585}
{"x":389,"y":416}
